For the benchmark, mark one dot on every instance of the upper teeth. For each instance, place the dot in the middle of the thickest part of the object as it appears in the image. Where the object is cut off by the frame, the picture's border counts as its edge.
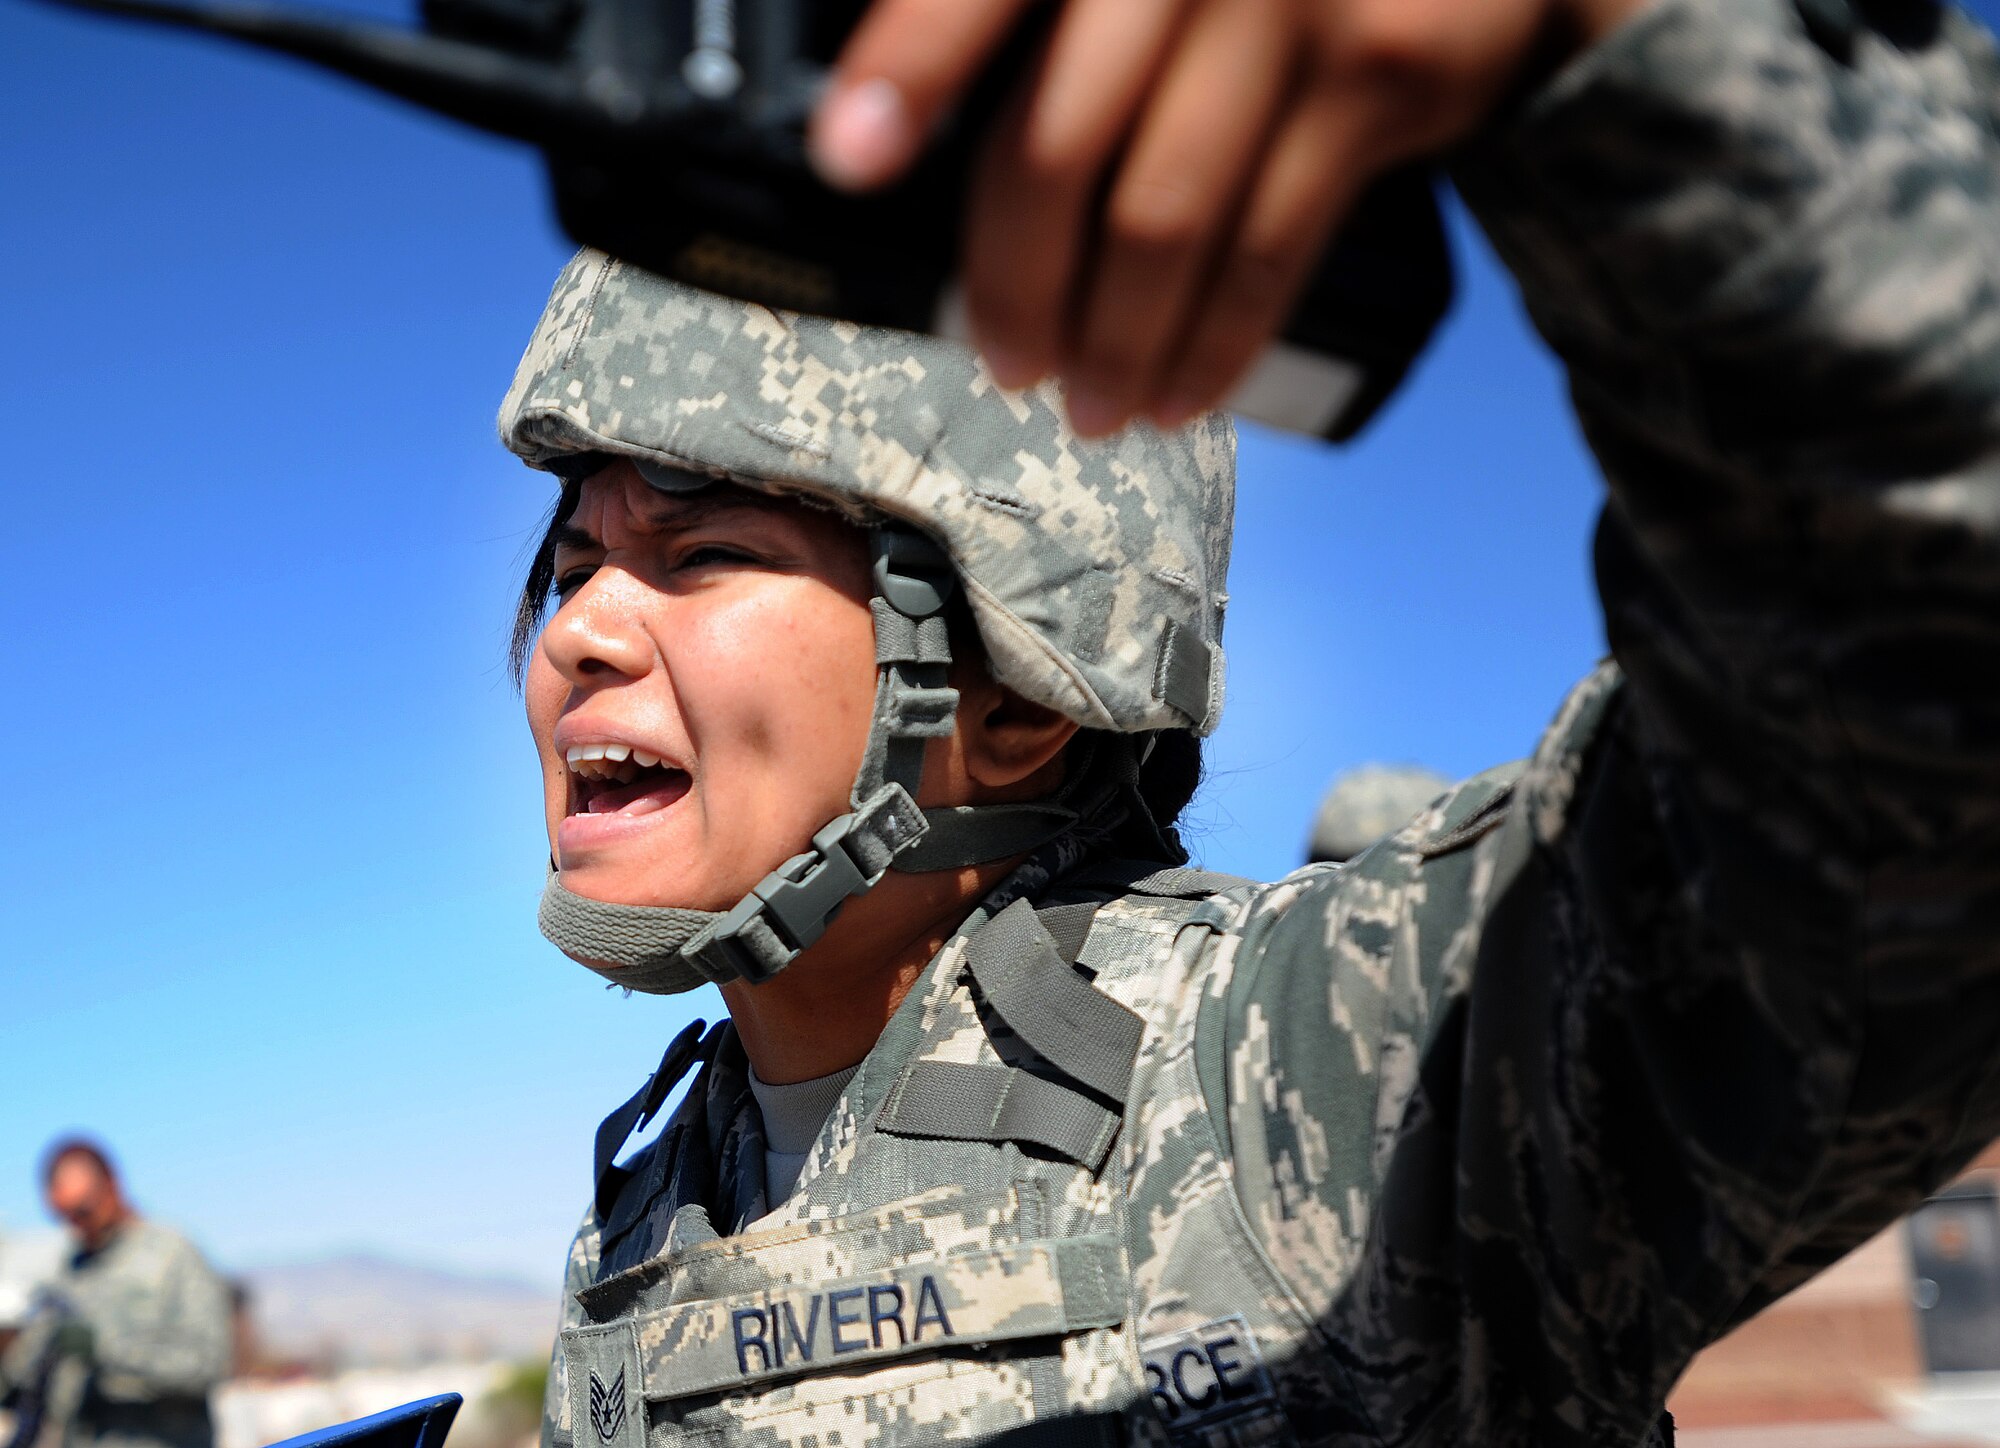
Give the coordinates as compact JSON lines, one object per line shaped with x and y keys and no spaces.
{"x":604,"y":761}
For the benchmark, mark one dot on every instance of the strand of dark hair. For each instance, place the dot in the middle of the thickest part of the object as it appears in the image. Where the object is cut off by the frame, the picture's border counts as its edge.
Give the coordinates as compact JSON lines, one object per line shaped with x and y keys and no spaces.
{"x":539,"y":586}
{"x":85,"y":1148}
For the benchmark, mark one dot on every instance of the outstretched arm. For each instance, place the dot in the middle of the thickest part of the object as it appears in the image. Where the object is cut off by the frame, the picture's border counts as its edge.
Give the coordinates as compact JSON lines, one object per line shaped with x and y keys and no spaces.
{"x":1715,"y":992}
{"x":1778,"y":292}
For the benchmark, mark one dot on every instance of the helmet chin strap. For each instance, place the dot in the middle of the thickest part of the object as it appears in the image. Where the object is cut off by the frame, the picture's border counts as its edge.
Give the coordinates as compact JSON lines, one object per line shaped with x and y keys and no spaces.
{"x":662,"y":950}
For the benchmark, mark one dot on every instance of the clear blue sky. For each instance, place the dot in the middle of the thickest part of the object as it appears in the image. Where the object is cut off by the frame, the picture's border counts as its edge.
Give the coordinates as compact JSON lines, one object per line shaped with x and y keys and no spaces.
{"x":273,"y":846}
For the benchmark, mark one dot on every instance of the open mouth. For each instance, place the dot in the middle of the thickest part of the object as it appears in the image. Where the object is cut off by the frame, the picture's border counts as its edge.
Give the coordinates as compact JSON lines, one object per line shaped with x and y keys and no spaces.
{"x":616,"y":779}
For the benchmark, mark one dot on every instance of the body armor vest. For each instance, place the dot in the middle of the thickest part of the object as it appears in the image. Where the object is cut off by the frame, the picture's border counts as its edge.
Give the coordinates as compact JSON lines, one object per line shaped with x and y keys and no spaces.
{"x":1018,"y":1225}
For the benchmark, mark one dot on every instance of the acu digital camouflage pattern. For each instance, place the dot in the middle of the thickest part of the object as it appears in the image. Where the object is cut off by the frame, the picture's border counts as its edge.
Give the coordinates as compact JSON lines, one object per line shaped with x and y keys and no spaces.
{"x":1095,"y":570}
{"x":158,"y":1325}
{"x":1481,"y":1135}
{"x":915,"y":1288}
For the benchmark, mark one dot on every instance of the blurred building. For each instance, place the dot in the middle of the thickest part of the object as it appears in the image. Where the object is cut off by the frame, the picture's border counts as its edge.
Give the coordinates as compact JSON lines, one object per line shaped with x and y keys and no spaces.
{"x":1842,"y":1362}
{"x":28,"y":1260}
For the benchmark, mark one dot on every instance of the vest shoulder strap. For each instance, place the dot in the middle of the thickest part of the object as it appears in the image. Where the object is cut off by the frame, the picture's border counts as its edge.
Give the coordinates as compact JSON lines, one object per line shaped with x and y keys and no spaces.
{"x":1076,"y":1028}
{"x":961,"y":1101}
{"x":617,"y":1128}
{"x":1022,"y":962}
{"x":1187,"y":884}
{"x":1149,"y":877}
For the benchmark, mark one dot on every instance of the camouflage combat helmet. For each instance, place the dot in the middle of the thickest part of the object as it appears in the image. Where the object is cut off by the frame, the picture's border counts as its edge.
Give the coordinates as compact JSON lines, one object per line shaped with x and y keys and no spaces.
{"x":1364,"y":804}
{"x":1094,"y":571}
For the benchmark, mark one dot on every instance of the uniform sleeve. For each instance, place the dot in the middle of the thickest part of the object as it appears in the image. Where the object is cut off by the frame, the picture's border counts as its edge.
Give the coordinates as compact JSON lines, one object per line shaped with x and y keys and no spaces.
{"x":580,"y":1272}
{"x":162,"y":1328}
{"x":22,"y":1356}
{"x":1582,"y":1069}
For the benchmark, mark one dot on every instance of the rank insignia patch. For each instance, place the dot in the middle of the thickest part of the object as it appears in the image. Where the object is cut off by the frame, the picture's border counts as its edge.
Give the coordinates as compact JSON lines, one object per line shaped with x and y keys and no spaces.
{"x":607,"y":1406}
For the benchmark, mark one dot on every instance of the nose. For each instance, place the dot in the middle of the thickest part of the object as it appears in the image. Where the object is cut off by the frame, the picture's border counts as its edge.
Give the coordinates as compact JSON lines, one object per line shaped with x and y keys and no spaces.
{"x":597,"y":637}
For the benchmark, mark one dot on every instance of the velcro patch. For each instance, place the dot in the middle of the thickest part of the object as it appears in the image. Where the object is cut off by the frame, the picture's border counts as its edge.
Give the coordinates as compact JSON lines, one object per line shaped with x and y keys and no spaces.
{"x":1040,"y":1289}
{"x":605,"y":1410}
{"x":1200,"y":1377}
{"x":1184,"y":675}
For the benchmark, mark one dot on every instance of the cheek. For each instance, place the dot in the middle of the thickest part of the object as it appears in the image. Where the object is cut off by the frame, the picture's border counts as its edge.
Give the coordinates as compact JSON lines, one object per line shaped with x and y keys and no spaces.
{"x":544,"y":692}
{"x":791,"y":671}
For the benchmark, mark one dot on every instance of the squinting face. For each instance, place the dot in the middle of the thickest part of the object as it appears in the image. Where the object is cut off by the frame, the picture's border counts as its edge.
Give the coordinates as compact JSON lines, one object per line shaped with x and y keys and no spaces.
{"x":700,"y":699}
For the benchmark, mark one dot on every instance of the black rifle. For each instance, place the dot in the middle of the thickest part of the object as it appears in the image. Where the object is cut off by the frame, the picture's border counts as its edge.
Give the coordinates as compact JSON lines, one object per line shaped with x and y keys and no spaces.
{"x":29,"y":1399}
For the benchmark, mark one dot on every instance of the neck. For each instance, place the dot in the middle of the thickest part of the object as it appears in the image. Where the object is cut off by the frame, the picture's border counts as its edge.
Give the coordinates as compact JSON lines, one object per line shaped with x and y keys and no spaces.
{"x":825,"y":1010}
{"x":97,"y":1241}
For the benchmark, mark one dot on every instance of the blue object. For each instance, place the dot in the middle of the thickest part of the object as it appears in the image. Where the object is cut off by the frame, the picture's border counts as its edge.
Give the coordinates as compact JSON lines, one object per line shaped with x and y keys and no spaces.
{"x":414,"y":1425}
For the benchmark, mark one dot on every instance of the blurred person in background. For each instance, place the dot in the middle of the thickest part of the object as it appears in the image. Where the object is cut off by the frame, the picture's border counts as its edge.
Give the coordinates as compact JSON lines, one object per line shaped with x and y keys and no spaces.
{"x":1365,"y":805}
{"x":243,"y":1351}
{"x":125,"y":1346}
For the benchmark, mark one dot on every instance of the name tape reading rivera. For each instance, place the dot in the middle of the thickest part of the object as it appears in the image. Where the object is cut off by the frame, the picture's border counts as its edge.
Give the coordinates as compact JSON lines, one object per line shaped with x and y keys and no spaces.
{"x":993,"y":1295}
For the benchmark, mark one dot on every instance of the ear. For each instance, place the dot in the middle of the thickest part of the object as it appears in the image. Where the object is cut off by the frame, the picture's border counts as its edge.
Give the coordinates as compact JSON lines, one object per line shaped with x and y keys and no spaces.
{"x":1007,"y":741}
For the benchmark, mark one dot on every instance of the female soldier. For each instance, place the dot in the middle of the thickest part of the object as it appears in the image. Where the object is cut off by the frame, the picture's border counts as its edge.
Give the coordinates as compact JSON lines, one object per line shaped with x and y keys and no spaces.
{"x":872,"y":692}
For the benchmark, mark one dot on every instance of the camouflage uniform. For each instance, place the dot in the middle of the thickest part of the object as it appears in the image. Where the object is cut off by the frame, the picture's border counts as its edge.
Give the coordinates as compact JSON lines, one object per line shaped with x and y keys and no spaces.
{"x":1478,"y":1137}
{"x":158,"y":1326}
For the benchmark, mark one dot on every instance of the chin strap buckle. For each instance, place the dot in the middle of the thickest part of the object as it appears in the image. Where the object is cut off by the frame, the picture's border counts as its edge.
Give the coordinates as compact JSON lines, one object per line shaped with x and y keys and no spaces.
{"x":790,"y":908}
{"x":802,"y":896}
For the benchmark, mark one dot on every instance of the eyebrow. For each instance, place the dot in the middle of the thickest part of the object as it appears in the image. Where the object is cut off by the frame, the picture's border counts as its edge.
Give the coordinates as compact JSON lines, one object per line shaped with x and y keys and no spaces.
{"x":671,"y":514}
{"x":568,"y":535}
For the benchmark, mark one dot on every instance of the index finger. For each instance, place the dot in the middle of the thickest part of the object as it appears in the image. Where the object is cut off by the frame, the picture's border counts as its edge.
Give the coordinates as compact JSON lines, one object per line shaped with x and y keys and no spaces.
{"x":907,"y":63}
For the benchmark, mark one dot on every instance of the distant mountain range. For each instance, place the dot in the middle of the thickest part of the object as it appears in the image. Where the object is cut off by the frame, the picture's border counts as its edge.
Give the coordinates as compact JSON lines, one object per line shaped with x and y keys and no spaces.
{"x":356,"y":1310}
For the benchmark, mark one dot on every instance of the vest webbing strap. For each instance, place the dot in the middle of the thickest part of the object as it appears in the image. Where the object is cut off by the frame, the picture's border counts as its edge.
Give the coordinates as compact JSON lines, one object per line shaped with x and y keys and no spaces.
{"x":962,"y":835}
{"x":1186,"y":884}
{"x":1072,"y":1025}
{"x":1069,"y":926}
{"x":617,"y":1128}
{"x":1132,"y":877}
{"x":957,"y":1101}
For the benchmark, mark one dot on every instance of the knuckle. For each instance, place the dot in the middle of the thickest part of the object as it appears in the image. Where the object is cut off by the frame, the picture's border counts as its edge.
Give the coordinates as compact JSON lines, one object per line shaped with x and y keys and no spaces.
{"x":1013,"y":284}
{"x":1397,"y":48}
{"x":1212,"y":375}
{"x":1055,"y":163}
{"x":1158,"y":215}
{"x":1198,"y":385}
